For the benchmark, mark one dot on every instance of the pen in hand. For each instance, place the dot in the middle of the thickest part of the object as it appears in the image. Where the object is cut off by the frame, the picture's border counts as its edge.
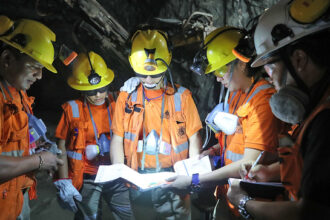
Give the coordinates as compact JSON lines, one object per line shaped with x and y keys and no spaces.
{"x":254,"y":164}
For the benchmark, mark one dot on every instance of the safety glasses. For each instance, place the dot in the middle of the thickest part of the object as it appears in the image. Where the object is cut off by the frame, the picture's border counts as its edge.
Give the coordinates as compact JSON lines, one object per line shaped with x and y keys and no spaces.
{"x":152,"y":76}
{"x":221,"y":71}
{"x":95,"y":91}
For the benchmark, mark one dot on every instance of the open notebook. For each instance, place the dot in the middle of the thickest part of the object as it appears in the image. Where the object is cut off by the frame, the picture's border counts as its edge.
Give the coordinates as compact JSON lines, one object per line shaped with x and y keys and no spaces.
{"x":147,"y":181}
{"x":267,"y":190}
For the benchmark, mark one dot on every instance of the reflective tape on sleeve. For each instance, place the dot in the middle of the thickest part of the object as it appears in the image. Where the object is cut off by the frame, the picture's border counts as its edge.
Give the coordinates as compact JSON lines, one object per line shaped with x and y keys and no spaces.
{"x":129,"y":136}
{"x":233,"y":156}
{"x":74,"y":155}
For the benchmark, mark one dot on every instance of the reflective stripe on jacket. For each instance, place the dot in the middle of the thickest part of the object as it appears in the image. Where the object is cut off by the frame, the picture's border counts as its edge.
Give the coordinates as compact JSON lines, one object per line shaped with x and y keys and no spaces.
{"x":291,"y":161}
{"x":235,"y":149}
{"x":133,"y":122}
{"x":14,"y":142}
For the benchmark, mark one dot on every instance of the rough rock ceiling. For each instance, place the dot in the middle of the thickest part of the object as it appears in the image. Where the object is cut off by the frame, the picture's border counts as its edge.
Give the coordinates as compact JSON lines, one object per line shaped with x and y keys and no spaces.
{"x":105,"y":27}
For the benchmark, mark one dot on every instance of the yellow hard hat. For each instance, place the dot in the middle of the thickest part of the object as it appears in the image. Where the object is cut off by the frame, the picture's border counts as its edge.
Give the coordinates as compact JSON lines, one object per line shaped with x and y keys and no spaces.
{"x":30,"y":37}
{"x":308,"y":11}
{"x":147,"y":46}
{"x":82,"y":72}
{"x":219,"y":45}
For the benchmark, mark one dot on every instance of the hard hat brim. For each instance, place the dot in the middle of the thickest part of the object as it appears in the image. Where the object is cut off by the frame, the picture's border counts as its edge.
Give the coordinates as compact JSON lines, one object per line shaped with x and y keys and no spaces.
{"x":48,"y":66}
{"x":263,"y":58}
{"x":211,"y":68}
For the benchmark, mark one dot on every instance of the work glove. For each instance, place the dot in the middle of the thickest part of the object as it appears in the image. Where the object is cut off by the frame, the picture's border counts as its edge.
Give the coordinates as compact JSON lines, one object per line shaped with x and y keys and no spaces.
{"x":67,"y":194}
{"x":130,"y":85}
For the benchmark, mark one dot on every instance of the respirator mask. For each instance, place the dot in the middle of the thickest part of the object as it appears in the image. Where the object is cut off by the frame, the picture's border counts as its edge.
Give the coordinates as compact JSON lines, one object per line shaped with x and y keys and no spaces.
{"x":101,"y":148}
{"x":290,"y":103}
{"x":219,"y":119}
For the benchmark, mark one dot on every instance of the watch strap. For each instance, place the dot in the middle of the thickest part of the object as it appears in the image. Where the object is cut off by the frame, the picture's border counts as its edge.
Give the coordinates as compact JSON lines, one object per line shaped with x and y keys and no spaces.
{"x":195,"y":183}
{"x":242,"y":207}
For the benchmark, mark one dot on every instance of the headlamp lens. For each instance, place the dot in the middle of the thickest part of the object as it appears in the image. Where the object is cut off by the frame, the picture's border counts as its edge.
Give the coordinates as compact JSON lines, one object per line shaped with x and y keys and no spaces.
{"x":200,"y":62}
{"x":94,"y":78}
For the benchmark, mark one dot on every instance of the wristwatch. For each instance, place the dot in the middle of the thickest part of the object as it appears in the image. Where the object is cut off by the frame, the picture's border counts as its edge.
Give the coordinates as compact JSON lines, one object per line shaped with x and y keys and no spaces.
{"x":242,"y":207}
{"x":195,"y":184}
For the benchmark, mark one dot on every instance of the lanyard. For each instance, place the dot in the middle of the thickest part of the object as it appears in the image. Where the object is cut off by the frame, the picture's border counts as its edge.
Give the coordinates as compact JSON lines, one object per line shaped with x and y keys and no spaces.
{"x":94,"y":125}
{"x":161,"y":131}
{"x":250,"y":89}
{"x":223,"y":148}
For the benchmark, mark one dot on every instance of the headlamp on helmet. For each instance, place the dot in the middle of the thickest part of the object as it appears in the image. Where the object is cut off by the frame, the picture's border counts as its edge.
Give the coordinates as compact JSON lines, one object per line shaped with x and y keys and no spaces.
{"x":217,"y":50}
{"x":200,"y":62}
{"x":90,"y":72}
{"x":150,"y":63}
{"x":147,"y":47}
{"x":93,"y":77}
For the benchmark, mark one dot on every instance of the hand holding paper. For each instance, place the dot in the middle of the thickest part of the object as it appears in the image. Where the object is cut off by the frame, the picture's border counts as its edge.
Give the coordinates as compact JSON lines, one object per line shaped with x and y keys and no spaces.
{"x":147,"y":181}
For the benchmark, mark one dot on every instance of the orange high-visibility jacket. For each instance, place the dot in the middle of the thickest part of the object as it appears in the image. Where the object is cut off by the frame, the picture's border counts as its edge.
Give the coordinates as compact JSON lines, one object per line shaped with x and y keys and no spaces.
{"x":78,"y":124}
{"x":175,"y":132}
{"x":291,"y":163}
{"x":14,"y":142}
{"x":258,"y":126}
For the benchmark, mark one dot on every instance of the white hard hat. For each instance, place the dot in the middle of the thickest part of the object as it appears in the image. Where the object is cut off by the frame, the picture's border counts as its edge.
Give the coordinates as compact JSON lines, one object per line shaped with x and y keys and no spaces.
{"x":277,"y":27}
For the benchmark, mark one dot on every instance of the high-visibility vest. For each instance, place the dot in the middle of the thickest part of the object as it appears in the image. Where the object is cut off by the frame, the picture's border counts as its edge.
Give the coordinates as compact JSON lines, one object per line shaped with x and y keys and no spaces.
{"x":14,"y":142}
{"x":76,"y":143}
{"x":291,"y":161}
{"x":133,"y":122}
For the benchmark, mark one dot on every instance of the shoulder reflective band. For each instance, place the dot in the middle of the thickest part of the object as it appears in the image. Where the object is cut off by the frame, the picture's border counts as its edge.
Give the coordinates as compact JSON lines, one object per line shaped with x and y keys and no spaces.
{"x":75,"y":108}
{"x":177,"y":98}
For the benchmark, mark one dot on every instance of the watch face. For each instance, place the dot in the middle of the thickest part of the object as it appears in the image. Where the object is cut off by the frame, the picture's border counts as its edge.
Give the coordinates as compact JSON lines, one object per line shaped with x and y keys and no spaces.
{"x":195,"y":188}
{"x":241,"y":207}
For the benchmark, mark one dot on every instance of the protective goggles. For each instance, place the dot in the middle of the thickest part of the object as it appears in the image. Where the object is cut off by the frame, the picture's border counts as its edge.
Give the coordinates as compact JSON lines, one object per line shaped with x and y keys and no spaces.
{"x":200,"y":62}
{"x":221,"y":71}
{"x":152,"y":76}
{"x":95,"y":91}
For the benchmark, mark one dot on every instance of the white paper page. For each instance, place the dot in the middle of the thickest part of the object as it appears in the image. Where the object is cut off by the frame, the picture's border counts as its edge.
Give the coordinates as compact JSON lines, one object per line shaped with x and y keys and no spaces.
{"x":151,"y":180}
{"x":193,"y":165}
{"x":143,"y":181}
{"x":110,"y":172}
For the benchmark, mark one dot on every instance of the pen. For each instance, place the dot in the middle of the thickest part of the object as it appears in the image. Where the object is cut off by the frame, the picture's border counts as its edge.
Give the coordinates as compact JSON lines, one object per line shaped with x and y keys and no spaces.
{"x":255,"y":163}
